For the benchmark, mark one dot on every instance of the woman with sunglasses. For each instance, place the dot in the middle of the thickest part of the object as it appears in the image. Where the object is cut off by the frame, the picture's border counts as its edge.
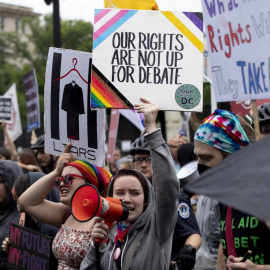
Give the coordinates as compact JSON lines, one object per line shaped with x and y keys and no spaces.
{"x":73,"y":238}
{"x":144,"y":240}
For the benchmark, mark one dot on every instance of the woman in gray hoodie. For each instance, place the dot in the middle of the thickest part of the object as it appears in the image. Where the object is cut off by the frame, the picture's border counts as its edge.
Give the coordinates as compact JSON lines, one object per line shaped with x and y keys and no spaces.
{"x":152,"y":210}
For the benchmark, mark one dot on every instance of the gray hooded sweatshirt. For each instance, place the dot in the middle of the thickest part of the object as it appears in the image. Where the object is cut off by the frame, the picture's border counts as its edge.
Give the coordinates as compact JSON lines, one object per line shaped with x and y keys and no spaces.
{"x":157,"y":222}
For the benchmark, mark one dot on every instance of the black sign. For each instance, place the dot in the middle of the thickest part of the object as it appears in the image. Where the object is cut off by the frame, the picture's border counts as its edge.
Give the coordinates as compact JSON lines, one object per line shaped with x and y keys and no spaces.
{"x":28,"y":249}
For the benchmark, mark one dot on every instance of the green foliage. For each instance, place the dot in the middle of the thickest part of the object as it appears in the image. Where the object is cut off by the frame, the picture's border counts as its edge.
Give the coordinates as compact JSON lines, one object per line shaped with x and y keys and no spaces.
{"x":16,"y":59}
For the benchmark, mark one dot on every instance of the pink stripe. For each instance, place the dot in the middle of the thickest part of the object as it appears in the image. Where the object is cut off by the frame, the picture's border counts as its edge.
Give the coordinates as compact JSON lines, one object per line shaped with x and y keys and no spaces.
{"x":112,"y":21}
{"x":101,"y":14}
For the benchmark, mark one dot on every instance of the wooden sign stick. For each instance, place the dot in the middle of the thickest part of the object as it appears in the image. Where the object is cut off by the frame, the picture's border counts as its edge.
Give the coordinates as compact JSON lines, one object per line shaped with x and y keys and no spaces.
{"x":256,"y":120}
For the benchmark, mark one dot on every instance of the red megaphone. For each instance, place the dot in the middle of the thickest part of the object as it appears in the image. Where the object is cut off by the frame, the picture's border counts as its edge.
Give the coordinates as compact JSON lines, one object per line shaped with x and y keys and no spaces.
{"x":86,"y":203}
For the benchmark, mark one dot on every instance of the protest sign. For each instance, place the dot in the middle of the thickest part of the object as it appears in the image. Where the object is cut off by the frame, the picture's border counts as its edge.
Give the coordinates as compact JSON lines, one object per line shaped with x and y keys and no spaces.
{"x":114,"y":121}
{"x":137,"y":119}
{"x":243,"y":108}
{"x":237,"y":34}
{"x":151,"y":54}
{"x":28,"y":249}
{"x":68,"y":116}
{"x":5,"y":109}
{"x":32,"y":100}
{"x":14,"y":128}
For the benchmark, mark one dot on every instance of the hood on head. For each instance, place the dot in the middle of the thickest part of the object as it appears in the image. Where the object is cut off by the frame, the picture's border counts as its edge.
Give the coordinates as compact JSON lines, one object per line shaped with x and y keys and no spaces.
{"x":150,"y":194}
{"x":9,"y":170}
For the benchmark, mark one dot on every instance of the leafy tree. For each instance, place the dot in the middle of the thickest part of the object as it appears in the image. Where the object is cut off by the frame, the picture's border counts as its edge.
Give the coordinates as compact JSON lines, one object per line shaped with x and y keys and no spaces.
{"x":16,"y":59}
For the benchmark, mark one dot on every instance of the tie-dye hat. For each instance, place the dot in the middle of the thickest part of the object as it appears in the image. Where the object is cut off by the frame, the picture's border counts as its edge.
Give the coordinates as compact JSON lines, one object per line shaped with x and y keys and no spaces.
{"x":222,"y":130}
{"x":97,"y":176}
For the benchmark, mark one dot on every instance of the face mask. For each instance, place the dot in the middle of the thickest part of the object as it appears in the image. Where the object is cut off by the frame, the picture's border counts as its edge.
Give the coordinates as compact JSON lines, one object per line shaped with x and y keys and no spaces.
{"x":202,"y":168}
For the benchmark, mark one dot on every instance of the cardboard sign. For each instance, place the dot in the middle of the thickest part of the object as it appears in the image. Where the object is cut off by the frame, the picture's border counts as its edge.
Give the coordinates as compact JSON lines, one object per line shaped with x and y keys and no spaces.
{"x":5,"y":109}
{"x":238,"y":36}
{"x":68,"y":116}
{"x":32,"y":100}
{"x":28,"y":249}
{"x":151,"y":54}
{"x":14,"y":128}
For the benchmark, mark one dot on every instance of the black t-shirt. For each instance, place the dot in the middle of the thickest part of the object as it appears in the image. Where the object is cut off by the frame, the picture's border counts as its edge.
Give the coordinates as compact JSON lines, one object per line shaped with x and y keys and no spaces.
{"x":186,"y":224}
{"x":248,"y":234}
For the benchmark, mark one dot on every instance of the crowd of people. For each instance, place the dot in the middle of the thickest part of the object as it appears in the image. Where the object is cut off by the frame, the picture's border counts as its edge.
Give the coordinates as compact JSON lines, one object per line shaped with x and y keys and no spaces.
{"x":162,"y":229}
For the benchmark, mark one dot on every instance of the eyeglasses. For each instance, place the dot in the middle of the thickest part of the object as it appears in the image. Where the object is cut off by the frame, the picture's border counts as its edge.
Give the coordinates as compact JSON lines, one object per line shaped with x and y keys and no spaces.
{"x":67,"y":180}
{"x":139,"y":160}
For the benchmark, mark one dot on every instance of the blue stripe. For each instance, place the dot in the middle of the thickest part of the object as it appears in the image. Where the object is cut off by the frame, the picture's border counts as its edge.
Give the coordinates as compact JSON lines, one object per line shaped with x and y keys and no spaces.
{"x":97,"y":11}
{"x":113,"y":28}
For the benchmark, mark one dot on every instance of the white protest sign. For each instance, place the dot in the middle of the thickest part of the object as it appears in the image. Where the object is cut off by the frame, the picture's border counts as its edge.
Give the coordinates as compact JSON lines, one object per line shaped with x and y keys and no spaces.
{"x":134,"y":117}
{"x":14,"y":128}
{"x":144,"y":53}
{"x":32,"y":100}
{"x":238,"y":45}
{"x":68,"y":116}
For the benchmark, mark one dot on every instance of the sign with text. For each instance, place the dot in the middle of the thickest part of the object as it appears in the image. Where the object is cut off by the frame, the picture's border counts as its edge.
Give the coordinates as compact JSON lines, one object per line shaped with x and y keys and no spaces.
{"x":68,"y":116}
{"x":14,"y":128}
{"x":237,"y":34}
{"x":32,"y":100}
{"x":28,"y":249}
{"x":153,"y":54}
{"x":5,"y":109}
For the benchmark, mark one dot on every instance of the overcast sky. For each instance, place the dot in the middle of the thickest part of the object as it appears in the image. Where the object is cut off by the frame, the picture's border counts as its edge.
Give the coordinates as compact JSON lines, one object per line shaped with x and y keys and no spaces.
{"x":84,"y":9}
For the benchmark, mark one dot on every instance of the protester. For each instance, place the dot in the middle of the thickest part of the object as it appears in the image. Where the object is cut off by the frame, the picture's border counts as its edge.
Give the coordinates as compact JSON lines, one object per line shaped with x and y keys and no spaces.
{"x":152,"y":210}
{"x":26,"y":159}
{"x":73,"y":239}
{"x":22,"y":183}
{"x":264,"y":119}
{"x":47,"y":162}
{"x":218,"y":136}
{"x":8,"y":143}
{"x":186,"y":232}
{"x":113,"y":166}
{"x":173,"y":145}
{"x":4,"y":154}
{"x":127,"y":165}
{"x":9,"y":171}
{"x":185,"y":154}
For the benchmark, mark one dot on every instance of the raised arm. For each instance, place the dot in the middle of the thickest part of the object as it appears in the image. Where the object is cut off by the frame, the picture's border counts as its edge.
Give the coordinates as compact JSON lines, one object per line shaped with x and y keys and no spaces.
{"x":33,"y":199}
{"x":165,"y":181}
{"x":10,"y":144}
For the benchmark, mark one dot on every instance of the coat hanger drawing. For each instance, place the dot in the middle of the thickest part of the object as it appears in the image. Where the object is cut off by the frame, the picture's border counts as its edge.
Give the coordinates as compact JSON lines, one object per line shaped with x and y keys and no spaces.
{"x":73,"y":69}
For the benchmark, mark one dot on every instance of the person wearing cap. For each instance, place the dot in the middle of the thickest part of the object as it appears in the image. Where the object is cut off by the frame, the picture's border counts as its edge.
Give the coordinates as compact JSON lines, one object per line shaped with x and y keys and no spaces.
{"x":73,"y":238}
{"x":47,"y":162}
{"x":186,"y":237}
{"x":264,"y":119}
{"x":220,"y":135}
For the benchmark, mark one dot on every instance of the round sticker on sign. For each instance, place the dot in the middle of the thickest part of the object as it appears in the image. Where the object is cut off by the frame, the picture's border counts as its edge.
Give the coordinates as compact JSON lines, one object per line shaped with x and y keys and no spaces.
{"x":187,"y":96}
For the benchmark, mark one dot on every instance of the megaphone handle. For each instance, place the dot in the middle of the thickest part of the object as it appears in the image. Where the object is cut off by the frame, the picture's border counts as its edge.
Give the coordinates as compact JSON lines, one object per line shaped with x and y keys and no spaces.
{"x":98,"y":264}
{"x":109,"y":224}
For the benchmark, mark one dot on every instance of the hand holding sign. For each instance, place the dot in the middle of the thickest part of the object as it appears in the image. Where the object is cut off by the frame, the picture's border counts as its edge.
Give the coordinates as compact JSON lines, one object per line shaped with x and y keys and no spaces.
{"x":150,"y":111}
{"x":5,"y":244}
{"x":65,"y":158}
